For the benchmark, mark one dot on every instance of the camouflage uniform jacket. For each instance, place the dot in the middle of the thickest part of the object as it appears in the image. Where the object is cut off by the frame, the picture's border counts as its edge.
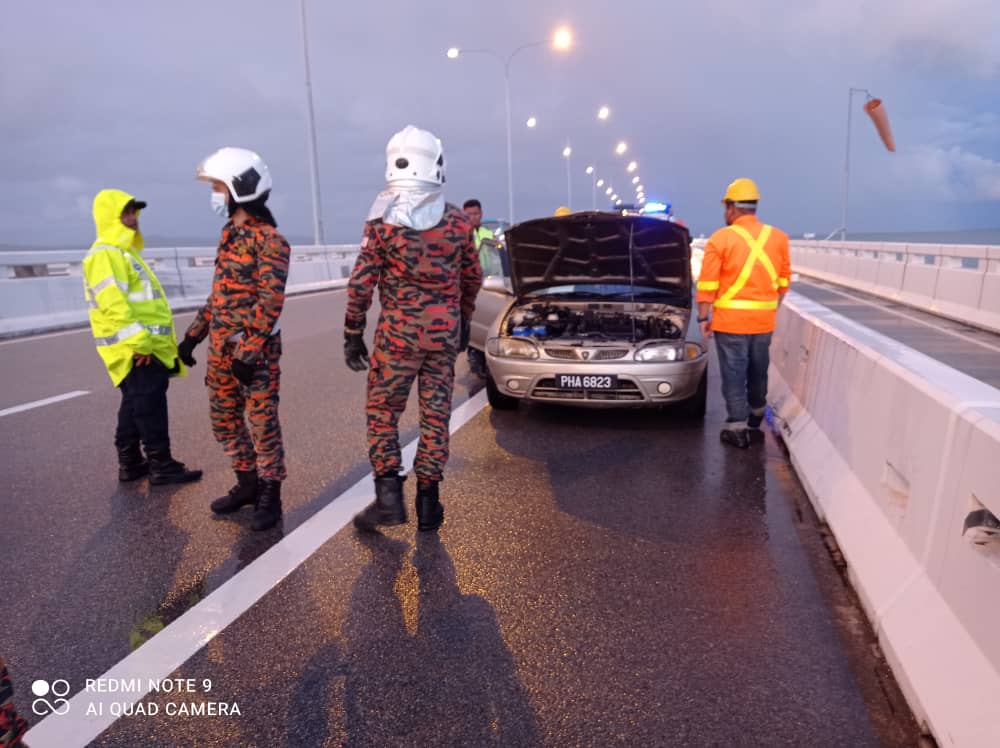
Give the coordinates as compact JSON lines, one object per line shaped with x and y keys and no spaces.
{"x":248,"y":290}
{"x":426,"y":280}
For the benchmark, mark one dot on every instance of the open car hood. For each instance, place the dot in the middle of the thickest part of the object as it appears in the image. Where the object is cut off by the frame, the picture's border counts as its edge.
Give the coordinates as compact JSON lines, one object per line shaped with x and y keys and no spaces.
{"x":604,"y":248}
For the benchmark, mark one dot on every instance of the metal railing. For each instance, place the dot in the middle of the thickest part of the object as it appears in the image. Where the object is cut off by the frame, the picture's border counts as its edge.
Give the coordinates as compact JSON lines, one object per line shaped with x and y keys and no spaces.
{"x":43,"y":290}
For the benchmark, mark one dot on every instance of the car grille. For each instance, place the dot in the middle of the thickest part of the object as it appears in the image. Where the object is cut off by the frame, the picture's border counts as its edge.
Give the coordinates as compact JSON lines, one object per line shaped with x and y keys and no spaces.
{"x":626,"y":391}
{"x":596,"y":354}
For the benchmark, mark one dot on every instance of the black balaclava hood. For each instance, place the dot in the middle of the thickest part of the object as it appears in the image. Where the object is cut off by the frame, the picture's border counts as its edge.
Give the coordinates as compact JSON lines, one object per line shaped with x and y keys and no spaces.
{"x":257,"y":208}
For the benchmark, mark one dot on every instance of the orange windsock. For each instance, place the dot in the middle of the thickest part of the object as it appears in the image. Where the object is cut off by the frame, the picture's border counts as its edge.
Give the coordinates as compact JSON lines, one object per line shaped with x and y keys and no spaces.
{"x":876,"y":111}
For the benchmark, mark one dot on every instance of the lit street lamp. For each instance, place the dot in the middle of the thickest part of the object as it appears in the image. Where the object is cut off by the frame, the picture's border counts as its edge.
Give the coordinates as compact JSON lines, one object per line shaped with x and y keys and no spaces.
{"x":562,"y":40}
{"x":532,"y":121}
{"x":621,"y":148}
{"x":608,"y":192}
{"x":633,"y":165}
{"x":603,"y":113}
{"x":593,"y":186}
{"x":635,"y":180}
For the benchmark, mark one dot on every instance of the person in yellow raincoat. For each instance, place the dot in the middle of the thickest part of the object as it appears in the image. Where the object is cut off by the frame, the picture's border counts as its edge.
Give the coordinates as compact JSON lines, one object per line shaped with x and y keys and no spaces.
{"x":134,"y":332}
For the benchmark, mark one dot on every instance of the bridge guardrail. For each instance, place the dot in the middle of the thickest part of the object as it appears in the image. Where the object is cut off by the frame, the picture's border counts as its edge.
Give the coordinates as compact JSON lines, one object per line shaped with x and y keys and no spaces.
{"x":957,"y":281}
{"x":42,"y":290}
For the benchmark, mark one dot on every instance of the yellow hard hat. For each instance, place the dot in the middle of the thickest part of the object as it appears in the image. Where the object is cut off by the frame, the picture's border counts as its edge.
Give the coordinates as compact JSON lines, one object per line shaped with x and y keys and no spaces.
{"x":742,"y":190}
{"x":562,"y":210}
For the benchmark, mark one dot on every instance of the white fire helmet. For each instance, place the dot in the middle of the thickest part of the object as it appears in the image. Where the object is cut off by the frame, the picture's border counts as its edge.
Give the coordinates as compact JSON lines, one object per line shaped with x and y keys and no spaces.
{"x":242,"y":171}
{"x":414,"y":157}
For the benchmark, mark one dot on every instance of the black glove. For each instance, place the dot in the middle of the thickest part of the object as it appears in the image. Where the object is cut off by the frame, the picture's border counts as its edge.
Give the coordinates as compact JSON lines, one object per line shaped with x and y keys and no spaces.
{"x":243,"y":371}
{"x":463,"y":336}
{"x":355,"y":352}
{"x":185,"y":349}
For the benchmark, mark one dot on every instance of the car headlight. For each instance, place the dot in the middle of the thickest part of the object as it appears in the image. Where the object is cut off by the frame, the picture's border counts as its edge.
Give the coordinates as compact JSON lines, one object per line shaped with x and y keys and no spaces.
{"x":660,"y":352}
{"x":512,"y":348}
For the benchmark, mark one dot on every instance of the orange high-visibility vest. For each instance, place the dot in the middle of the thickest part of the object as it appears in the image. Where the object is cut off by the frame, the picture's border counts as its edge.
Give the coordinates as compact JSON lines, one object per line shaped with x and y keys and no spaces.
{"x":745,"y":269}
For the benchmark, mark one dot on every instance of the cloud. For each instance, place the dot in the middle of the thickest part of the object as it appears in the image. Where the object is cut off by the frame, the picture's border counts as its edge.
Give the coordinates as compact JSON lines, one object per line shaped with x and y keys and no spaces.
{"x":945,"y":174}
{"x":927,"y":34}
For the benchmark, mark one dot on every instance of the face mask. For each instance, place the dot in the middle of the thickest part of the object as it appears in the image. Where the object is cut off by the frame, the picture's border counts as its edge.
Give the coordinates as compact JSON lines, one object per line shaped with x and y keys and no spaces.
{"x":219,"y":205}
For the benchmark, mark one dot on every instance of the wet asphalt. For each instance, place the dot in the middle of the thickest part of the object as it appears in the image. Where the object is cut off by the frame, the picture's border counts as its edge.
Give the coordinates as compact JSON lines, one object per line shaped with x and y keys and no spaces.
{"x":603,"y":578}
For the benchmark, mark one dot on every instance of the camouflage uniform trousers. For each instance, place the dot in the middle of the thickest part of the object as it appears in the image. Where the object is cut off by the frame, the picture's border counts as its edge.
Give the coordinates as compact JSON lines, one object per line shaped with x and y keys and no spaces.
{"x":233,"y":404}
{"x":390,"y":379}
{"x":12,"y":726}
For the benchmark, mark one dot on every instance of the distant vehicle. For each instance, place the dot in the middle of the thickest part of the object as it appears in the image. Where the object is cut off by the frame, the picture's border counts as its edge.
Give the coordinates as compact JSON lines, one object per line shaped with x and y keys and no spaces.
{"x":595,"y":312}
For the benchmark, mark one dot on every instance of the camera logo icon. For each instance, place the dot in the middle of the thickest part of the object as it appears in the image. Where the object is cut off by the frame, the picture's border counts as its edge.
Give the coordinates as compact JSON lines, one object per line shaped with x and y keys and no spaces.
{"x":58,"y":690}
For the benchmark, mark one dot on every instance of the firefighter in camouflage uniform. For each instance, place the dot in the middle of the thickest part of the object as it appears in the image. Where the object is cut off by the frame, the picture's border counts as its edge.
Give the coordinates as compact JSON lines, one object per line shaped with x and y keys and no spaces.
{"x":12,"y":725}
{"x":421,"y":253}
{"x":240,"y":320}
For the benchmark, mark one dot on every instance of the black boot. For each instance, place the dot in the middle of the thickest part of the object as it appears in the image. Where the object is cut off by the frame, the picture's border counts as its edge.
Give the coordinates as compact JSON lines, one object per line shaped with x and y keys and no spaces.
{"x":242,"y":494}
{"x":430,"y":512}
{"x":268,"y":510}
{"x":164,"y":469}
{"x":738,"y":438}
{"x":131,"y":464}
{"x":387,"y":509}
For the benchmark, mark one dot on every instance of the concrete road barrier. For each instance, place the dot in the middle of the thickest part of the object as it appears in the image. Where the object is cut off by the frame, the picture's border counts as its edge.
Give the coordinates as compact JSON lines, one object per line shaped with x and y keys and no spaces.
{"x":957,"y":281}
{"x":895,"y":451}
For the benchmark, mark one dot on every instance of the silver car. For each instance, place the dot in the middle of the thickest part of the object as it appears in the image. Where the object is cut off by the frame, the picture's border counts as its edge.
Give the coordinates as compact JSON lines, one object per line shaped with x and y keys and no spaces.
{"x":595,"y":312}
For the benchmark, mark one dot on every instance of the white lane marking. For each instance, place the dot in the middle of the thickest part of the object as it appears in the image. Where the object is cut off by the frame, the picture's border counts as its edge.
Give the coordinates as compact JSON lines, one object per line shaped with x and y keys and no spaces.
{"x":173,"y":646}
{"x":42,"y":403}
{"x":181,"y":313}
{"x":904,"y":315}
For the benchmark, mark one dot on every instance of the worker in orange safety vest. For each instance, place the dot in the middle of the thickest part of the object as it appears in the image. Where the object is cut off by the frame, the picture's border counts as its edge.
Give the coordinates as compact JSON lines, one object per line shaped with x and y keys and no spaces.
{"x":745,"y":274}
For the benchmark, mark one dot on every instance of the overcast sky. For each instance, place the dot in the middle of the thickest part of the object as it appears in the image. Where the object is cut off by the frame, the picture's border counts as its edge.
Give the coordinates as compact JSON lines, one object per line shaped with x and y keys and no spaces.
{"x":133,"y":95}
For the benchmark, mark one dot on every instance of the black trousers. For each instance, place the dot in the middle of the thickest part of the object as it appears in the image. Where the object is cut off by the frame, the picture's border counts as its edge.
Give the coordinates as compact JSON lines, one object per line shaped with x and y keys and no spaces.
{"x":142,"y":416}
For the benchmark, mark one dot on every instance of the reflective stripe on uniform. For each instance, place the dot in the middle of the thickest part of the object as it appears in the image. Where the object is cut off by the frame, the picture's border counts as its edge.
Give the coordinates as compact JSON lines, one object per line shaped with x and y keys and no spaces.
{"x":757,"y":254}
{"x":133,"y":329}
{"x":747,"y":304}
{"x":236,"y":337}
{"x":126,"y":332}
{"x":107,"y":283}
{"x":148,"y":293}
{"x":783,"y":282}
{"x":708,"y":285}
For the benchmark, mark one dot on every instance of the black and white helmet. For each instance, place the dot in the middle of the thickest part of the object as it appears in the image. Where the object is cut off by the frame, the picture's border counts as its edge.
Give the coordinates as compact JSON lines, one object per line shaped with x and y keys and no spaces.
{"x":241,"y":170}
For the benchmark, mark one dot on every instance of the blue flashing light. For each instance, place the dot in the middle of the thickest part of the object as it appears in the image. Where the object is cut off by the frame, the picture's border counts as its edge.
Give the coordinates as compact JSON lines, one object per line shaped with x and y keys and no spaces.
{"x":654,"y":207}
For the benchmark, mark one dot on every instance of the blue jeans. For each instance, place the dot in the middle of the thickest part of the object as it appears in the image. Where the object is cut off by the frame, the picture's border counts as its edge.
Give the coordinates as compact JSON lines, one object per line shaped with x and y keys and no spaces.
{"x":743,"y":361}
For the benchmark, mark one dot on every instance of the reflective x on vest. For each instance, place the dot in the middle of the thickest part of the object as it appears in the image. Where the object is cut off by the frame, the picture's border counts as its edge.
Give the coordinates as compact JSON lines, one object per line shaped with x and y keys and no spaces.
{"x":757,"y":254}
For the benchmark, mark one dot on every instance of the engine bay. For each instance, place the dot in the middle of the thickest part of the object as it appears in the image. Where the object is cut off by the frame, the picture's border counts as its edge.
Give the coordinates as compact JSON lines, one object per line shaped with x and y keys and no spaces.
{"x":596,"y":322}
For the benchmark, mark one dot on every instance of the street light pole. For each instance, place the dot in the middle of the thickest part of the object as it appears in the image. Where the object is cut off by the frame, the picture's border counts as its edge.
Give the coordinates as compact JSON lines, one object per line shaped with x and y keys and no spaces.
{"x":568,"y":153}
{"x":510,"y":148}
{"x":313,"y":154}
{"x":847,"y":160}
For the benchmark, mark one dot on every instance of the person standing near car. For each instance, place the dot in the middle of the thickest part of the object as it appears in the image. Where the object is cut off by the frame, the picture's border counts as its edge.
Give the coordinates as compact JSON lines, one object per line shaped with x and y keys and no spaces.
{"x":489,"y":261}
{"x":240,"y":319}
{"x":133,"y":328}
{"x":745,"y":274}
{"x":421,"y":253}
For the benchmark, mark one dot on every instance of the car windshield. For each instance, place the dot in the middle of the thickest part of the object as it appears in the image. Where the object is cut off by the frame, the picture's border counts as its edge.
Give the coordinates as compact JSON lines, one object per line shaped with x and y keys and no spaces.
{"x":599,"y":290}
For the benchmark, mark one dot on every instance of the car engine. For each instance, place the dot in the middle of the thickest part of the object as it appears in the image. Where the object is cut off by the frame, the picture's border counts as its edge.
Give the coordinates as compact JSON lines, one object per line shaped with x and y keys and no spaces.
{"x":595,"y":322}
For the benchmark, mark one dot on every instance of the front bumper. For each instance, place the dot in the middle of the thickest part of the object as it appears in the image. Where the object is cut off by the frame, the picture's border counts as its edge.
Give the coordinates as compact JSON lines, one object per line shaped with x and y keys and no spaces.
{"x":639,"y":384}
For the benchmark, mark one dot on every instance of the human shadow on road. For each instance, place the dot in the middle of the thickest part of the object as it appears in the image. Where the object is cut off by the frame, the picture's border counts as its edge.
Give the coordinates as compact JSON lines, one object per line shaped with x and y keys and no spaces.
{"x":121,"y":575}
{"x":453,"y":682}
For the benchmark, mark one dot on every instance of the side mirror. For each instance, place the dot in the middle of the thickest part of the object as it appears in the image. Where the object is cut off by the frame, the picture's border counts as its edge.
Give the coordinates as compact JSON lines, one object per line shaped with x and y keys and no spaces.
{"x":497,"y":284}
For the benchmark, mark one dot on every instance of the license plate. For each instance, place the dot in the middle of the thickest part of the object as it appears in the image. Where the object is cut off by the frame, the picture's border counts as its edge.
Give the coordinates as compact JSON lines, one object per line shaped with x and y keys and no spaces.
{"x":587,"y":381}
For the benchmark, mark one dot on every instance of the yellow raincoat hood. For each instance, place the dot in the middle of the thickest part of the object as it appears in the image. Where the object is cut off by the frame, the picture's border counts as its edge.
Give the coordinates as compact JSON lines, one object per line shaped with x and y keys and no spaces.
{"x":108,"y":207}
